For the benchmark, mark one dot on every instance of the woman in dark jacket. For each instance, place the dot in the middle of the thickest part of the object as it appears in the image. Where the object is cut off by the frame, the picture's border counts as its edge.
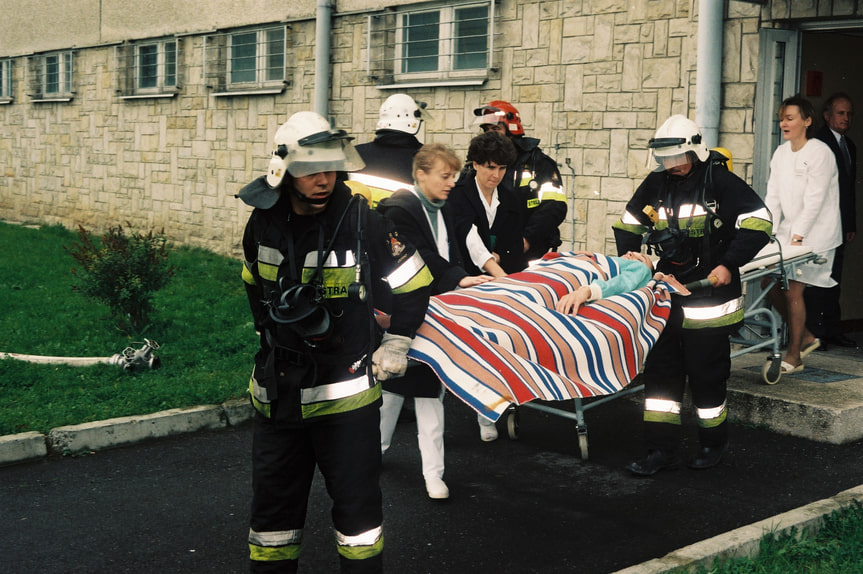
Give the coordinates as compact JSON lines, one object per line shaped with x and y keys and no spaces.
{"x":485,"y":199}
{"x":421,"y":215}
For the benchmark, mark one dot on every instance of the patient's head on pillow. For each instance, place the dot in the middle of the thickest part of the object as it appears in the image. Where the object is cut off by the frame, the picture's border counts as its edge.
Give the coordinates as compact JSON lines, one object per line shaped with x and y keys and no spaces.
{"x":638,"y":256}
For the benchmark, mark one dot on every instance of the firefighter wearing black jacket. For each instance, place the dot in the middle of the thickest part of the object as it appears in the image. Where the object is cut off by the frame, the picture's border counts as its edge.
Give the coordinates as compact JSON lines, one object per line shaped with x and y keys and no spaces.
{"x":703,"y":222}
{"x":310,"y":250}
{"x":389,"y":157}
{"x":533,"y":175}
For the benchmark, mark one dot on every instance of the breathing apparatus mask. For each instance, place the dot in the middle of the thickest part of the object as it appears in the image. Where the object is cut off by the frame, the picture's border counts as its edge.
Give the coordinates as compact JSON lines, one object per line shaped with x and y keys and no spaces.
{"x":672,"y":245}
{"x":302,"y":306}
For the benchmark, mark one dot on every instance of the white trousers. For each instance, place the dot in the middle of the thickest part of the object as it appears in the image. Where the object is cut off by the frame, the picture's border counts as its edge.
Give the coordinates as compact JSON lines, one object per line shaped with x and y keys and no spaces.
{"x":429,"y":412}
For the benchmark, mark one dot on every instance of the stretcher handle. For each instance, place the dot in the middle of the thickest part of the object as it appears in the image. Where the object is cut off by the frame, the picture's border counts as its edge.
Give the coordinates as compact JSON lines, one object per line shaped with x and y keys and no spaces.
{"x":701,"y":284}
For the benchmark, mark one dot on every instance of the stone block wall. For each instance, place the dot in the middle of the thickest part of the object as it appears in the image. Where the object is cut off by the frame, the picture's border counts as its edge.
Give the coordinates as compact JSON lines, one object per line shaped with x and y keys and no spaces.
{"x":593,"y":80}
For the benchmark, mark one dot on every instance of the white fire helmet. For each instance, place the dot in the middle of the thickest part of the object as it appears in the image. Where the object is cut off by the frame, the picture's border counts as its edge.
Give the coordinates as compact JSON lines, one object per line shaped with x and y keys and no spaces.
{"x":305,"y":144}
{"x":402,"y":114}
{"x":674,"y":138}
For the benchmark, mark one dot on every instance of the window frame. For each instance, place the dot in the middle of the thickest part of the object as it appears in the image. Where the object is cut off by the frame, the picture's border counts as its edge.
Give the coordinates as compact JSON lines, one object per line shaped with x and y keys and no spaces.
{"x":269,"y":61}
{"x":446,"y":44}
{"x":39,"y":68}
{"x":7,"y":94}
{"x":162,"y":66}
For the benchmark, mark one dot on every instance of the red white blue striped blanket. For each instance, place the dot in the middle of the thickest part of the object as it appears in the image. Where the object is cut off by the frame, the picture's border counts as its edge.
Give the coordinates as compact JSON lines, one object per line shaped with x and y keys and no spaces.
{"x":502,"y":342}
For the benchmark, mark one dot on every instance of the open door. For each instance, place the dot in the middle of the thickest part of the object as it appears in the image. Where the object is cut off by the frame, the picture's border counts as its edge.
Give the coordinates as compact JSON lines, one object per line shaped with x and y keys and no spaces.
{"x":777,"y":79}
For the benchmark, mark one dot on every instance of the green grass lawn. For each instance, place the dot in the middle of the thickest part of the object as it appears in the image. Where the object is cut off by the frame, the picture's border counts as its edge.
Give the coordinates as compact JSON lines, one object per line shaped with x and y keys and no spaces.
{"x":837,"y":548}
{"x":202,"y":322}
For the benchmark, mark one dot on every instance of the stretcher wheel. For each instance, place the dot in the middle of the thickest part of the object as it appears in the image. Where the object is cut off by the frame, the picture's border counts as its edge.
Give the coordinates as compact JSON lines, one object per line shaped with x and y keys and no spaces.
{"x":512,"y":423}
{"x":582,"y":444}
{"x":771,"y":372}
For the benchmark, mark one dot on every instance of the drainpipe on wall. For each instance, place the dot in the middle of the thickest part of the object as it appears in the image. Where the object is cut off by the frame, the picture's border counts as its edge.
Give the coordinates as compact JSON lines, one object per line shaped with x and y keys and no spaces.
{"x":708,"y":77}
{"x":322,"y":57}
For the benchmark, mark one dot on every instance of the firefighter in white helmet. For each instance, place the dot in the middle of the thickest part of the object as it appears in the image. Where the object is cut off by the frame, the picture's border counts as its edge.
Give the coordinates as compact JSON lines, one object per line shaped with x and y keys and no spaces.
{"x":389,"y":157}
{"x":702,"y":221}
{"x":311,"y":250}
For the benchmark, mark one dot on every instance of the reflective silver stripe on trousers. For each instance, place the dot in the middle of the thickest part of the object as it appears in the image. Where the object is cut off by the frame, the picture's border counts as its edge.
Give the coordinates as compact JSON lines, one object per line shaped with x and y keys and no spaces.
{"x":662,"y":406}
{"x":707,"y":414}
{"x":367,"y":538}
{"x":702,"y":313}
{"x":406,"y":271}
{"x":276,"y":538}
{"x":335,"y":391}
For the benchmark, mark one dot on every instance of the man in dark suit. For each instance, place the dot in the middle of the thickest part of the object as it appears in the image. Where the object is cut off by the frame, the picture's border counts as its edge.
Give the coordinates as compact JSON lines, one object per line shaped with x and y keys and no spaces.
{"x":822,"y":304}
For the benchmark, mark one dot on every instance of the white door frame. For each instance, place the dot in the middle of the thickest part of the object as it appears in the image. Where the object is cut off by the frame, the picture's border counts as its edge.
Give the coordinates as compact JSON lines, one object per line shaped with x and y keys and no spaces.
{"x":778,"y":73}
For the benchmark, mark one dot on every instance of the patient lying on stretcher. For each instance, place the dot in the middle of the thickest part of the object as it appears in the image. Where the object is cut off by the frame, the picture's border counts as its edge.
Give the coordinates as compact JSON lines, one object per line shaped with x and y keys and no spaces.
{"x":636,"y":271}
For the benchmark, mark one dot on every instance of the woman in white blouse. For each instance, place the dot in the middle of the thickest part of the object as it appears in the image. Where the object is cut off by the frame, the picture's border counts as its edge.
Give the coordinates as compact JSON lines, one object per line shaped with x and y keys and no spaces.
{"x":803,"y":197}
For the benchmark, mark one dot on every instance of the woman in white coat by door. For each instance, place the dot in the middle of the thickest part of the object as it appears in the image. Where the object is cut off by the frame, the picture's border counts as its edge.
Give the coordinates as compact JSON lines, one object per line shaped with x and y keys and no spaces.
{"x":803,"y":197}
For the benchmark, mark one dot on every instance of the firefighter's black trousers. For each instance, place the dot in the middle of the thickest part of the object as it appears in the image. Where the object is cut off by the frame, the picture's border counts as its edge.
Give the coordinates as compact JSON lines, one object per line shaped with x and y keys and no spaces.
{"x":347,"y":449}
{"x":700,"y":357}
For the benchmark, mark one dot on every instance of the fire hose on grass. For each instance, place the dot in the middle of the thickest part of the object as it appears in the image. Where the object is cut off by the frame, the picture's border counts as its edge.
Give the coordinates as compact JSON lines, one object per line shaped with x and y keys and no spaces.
{"x":130,"y":358}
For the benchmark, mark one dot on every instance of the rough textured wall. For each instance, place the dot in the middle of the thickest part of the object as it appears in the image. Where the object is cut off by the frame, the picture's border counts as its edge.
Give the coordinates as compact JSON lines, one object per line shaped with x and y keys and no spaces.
{"x":591,"y":79}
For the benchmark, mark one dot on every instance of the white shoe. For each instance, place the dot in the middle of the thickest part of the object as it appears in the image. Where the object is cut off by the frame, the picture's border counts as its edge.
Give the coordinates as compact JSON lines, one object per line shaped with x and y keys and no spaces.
{"x":488,"y":433}
{"x":437,"y":488}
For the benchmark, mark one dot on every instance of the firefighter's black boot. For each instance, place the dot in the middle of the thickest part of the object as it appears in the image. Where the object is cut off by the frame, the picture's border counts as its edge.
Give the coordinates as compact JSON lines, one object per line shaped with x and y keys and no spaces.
{"x":707,"y":457}
{"x":655,"y":461}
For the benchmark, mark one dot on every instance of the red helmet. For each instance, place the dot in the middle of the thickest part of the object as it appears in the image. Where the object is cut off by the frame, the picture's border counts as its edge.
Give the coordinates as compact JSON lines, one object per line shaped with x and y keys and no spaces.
{"x":500,"y":111}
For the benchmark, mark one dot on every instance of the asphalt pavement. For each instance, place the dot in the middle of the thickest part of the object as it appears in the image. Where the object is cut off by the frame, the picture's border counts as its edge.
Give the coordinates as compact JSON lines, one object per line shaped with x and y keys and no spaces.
{"x":180,"y":504}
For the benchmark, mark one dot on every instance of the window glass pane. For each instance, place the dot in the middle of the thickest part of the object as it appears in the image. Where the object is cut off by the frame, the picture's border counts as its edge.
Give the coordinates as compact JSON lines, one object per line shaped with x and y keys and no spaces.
{"x":471,"y":38}
{"x":244,"y":50}
{"x":67,"y":73}
{"x":148,"y":66}
{"x":275,"y":55}
{"x":4,"y":91}
{"x":170,"y":63}
{"x":52,"y":74}
{"x":420,"y":50}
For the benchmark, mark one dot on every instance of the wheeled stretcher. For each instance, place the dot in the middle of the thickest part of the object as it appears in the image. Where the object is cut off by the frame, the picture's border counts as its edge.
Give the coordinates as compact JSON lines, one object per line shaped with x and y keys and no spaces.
{"x":502,"y":344}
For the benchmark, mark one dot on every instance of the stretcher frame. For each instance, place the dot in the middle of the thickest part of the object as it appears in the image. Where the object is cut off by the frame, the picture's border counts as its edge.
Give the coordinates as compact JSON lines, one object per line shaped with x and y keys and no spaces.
{"x":774,"y":261}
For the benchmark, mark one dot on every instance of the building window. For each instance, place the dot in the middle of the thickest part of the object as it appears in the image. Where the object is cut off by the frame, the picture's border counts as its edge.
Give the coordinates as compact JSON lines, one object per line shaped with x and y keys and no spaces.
{"x":247,"y":60}
{"x":443,"y":44}
{"x":156,"y":65}
{"x":148,"y":69}
{"x":5,"y":81}
{"x":50,"y":76}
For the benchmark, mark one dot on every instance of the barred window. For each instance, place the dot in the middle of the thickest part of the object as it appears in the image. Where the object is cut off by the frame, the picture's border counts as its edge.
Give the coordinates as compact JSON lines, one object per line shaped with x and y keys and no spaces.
{"x":248,"y":61}
{"x":5,"y":81}
{"x":444,"y":44}
{"x":50,"y":76}
{"x":148,"y":68}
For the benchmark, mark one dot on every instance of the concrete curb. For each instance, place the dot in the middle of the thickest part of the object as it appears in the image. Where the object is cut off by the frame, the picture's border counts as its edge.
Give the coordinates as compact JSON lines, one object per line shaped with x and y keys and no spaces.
{"x":745,"y":541}
{"x":122,"y":431}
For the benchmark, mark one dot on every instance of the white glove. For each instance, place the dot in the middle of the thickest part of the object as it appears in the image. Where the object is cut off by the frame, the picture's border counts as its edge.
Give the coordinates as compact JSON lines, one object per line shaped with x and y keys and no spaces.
{"x":390,"y":360}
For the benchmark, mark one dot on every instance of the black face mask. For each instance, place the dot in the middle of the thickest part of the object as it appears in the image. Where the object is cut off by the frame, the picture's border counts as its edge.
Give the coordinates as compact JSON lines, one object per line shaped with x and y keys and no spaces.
{"x":301,"y":308}
{"x":671,"y":245}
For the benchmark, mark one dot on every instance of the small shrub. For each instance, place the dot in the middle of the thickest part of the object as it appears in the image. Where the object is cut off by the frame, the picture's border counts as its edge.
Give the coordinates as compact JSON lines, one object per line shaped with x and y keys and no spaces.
{"x":122,"y":271}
